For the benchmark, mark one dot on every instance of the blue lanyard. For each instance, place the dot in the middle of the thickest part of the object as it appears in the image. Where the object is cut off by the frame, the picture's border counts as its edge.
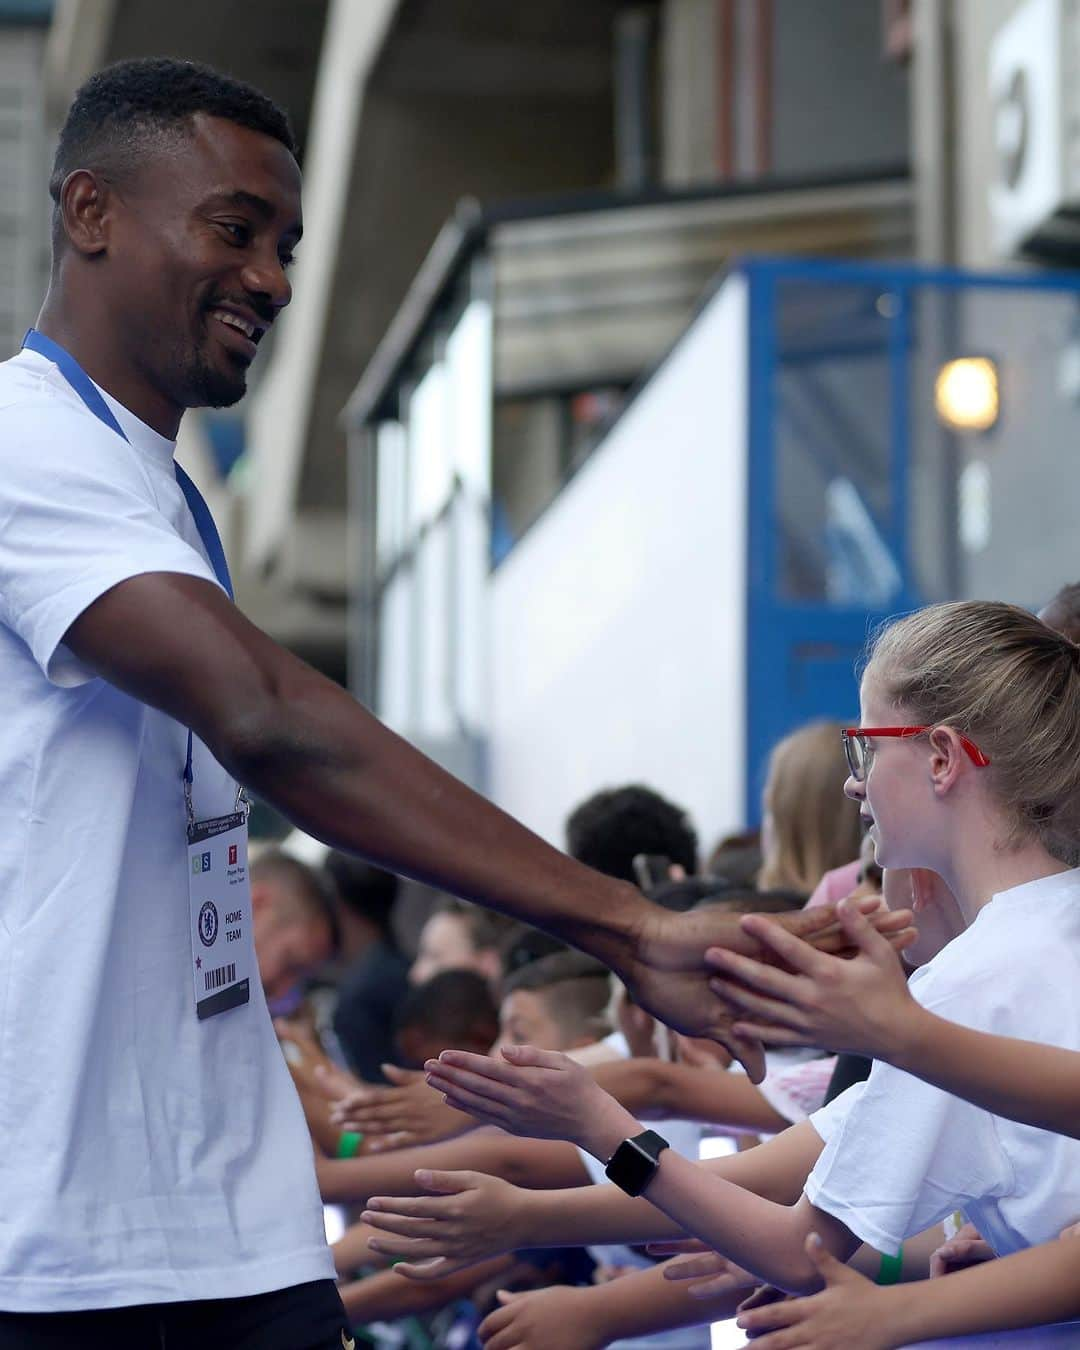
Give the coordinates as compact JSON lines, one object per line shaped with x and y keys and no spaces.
{"x":88,"y":391}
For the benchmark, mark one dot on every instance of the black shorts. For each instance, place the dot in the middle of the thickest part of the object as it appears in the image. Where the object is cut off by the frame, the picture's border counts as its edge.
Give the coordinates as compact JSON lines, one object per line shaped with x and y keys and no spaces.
{"x":304,"y":1317}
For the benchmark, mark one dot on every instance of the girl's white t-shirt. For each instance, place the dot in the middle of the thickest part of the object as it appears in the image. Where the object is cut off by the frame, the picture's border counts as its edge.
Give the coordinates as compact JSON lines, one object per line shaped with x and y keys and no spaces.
{"x":900,"y":1154}
{"x":148,"y":1157}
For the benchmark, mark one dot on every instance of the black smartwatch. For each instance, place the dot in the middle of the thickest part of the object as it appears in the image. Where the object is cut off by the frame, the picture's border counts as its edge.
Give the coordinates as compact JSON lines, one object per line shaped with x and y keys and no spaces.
{"x":633,"y":1164}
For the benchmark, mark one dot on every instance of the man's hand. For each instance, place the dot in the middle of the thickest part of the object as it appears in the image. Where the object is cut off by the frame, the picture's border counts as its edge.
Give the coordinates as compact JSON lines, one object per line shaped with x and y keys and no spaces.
{"x":847,"y":1315}
{"x":404,"y":1115}
{"x":665,"y":974}
{"x":541,"y":1319}
{"x":538,"y":1093}
{"x":861,"y":1005}
{"x":465,"y":1218}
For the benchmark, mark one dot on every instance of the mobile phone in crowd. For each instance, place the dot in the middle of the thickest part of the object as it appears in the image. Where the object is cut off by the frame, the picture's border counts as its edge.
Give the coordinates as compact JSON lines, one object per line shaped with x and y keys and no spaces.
{"x":651,"y":870}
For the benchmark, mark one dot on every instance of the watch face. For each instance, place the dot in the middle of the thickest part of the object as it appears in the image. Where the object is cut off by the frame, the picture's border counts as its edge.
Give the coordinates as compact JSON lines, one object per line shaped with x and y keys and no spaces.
{"x":634,"y":1162}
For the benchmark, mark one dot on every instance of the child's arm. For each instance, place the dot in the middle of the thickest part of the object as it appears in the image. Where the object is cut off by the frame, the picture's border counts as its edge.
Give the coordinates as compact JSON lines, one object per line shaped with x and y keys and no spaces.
{"x":657,"y":1090}
{"x":547,"y":1163}
{"x":466,"y":1216}
{"x":384,"y":1296}
{"x":638,"y":1304}
{"x":863,"y":1005}
{"x":1029,"y":1288}
{"x":542,"y":1093}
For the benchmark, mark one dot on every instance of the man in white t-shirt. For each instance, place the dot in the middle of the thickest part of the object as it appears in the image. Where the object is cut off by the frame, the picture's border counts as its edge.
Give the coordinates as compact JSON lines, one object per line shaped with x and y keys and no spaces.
{"x":157,"y":1180}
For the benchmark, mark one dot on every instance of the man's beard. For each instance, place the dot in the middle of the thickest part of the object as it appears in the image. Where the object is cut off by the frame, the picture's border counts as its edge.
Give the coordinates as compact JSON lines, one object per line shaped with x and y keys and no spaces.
{"x":198,"y":383}
{"x":207,"y":386}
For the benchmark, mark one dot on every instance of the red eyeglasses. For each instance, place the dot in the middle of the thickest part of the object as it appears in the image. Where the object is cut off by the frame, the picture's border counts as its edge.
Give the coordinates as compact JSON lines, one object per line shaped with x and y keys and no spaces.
{"x":860,"y":756}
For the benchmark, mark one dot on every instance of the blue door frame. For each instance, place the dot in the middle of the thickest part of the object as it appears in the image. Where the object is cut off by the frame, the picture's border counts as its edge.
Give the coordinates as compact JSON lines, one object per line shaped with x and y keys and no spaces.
{"x":801,"y":656}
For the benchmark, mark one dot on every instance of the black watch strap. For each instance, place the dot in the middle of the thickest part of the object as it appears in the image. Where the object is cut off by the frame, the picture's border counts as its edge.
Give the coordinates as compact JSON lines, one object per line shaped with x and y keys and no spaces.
{"x":633,"y":1164}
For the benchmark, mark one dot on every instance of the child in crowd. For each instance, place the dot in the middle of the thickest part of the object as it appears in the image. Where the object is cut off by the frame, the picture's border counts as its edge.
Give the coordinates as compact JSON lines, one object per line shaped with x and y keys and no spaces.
{"x":452,"y":1008}
{"x":460,"y":936}
{"x":374,"y":971}
{"x":807,"y":826}
{"x":967,"y":763}
{"x":613,"y":827}
{"x":865,"y":1004}
{"x":558,"y":1000}
{"x":455,"y":1007}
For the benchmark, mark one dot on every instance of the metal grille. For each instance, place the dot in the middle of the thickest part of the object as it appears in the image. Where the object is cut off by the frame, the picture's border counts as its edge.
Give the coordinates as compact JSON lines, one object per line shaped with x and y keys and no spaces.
{"x":23,"y":182}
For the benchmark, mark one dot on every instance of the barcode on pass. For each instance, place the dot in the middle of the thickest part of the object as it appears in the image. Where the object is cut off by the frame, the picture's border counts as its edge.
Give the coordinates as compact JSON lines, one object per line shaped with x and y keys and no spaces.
{"x":220,"y":976}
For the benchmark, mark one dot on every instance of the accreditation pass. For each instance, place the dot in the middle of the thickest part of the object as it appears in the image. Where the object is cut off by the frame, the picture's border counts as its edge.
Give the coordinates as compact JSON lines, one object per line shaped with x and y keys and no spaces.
{"x":220,"y":902}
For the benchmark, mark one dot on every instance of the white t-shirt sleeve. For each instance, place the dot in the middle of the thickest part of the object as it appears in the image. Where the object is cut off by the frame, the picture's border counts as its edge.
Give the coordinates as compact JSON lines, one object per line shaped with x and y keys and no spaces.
{"x":79,"y":513}
{"x":828,"y":1118}
{"x":901,"y":1155}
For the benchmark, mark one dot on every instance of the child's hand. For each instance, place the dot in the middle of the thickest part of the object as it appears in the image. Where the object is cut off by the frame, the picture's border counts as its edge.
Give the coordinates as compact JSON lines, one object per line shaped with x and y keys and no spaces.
{"x":857,"y":1005}
{"x":404,"y":1115}
{"x":464,"y":1218}
{"x":538,"y":1093}
{"x":966,"y":1247}
{"x":541,"y":1319}
{"x":709,"y":1273}
{"x":846,"y":1315}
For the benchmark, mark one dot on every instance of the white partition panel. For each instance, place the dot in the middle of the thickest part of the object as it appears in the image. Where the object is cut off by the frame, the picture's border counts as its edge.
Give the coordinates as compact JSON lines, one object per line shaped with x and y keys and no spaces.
{"x":618,"y":621}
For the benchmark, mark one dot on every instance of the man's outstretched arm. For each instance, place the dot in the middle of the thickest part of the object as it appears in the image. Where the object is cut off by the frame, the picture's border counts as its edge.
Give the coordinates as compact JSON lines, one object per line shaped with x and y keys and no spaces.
{"x":305,"y":745}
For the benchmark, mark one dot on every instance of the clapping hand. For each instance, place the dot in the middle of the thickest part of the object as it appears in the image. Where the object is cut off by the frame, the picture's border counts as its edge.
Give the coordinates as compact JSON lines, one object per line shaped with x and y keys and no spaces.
{"x":403,"y":1115}
{"x":846,"y":1315}
{"x":537,"y":1093}
{"x":857,"y":1005}
{"x":465,"y":1218}
{"x":667,"y":971}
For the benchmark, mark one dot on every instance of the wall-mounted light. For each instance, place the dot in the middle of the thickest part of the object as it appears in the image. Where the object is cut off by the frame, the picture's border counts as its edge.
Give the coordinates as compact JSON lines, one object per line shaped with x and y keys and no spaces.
{"x":966,"y":394}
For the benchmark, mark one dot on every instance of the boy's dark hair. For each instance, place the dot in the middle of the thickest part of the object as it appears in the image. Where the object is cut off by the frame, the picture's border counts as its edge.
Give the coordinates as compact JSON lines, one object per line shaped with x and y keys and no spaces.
{"x":128,"y":108}
{"x":612,"y":827}
{"x":364,"y":889}
{"x":306,"y":885}
{"x":576,"y":990}
{"x":454,"y":1003}
{"x":555,"y":968}
{"x":529,"y":945}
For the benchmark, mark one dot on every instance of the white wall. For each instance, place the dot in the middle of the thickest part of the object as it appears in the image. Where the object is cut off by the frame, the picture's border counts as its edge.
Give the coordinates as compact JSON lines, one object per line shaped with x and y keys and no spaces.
{"x":618,"y":621}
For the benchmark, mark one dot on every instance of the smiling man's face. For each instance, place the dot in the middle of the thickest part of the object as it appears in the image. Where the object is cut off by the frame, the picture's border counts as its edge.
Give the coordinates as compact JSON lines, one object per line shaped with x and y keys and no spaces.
{"x":202,"y":237}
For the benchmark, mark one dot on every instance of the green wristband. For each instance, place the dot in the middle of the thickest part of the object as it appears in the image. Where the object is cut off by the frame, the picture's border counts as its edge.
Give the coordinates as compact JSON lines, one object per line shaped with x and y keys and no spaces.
{"x":890,"y":1268}
{"x":348,"y":1145}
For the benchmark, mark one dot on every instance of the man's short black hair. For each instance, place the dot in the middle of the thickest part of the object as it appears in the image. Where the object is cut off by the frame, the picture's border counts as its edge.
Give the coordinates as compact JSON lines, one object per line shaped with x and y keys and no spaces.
{"x":124,"y":110}
{"x":612,"y":827}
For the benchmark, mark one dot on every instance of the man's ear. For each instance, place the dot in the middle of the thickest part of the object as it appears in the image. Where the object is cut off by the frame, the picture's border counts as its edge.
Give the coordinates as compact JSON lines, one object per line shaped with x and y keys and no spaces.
{"x":84,"y":201}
